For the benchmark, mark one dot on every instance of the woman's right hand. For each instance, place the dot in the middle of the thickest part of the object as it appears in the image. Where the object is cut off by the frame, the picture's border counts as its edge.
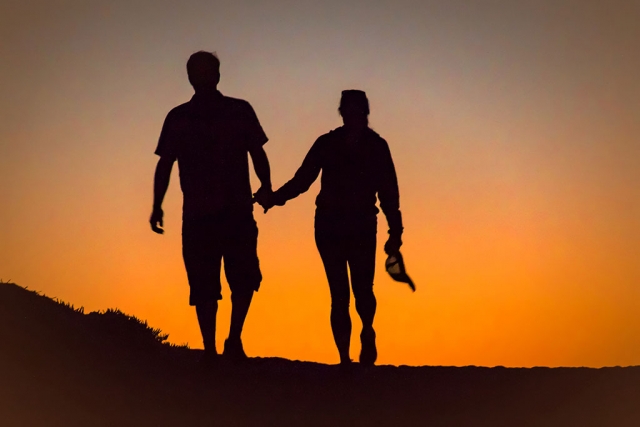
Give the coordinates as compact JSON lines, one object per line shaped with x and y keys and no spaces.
{"x":393,"y":244}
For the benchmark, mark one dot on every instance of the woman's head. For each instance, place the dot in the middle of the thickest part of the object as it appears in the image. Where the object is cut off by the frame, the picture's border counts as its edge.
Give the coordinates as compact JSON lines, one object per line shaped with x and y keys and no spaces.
{"x":354,"y":108}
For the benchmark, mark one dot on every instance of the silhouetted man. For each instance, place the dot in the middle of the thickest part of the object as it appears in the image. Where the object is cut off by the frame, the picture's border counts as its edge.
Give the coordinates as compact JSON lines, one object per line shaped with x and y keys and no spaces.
{"x":356,"y":167}
{"x":210,"y":137}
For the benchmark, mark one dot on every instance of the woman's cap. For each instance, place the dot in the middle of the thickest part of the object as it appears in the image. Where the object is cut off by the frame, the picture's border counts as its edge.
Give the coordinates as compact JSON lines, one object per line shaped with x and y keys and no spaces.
{"x":395,"y":267}
{"x":355,"y":96}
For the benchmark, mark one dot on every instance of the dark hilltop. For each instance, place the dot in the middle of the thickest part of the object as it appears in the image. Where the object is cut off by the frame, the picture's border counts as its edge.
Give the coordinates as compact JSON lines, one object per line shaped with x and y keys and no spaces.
{"x":62,"y":367}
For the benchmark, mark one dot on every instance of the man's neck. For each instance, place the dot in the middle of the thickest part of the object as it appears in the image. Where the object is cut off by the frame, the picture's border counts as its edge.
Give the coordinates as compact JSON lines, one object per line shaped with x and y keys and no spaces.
{"x":207,"y":93}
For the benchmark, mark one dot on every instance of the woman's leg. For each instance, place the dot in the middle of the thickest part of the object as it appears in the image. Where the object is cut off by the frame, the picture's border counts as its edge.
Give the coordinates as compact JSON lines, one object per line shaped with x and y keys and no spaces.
{"x":332,"y":251}
{"x":361,"y":257}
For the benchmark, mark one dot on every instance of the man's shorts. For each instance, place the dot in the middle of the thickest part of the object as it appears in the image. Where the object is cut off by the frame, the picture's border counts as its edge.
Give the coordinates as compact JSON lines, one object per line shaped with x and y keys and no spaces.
{"x":206,"y":241}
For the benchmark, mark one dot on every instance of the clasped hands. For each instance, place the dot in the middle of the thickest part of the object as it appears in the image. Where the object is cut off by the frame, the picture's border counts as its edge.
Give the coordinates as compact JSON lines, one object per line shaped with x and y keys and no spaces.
{"x":265,"y":197}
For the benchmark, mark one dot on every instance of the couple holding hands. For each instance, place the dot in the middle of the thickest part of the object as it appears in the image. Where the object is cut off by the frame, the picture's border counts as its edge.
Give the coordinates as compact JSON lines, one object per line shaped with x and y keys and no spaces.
{"x":211,"y":137}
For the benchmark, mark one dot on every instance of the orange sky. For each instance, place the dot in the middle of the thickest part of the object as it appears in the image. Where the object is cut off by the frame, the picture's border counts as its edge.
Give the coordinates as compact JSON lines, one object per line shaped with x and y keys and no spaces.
{"x":514,"y":129}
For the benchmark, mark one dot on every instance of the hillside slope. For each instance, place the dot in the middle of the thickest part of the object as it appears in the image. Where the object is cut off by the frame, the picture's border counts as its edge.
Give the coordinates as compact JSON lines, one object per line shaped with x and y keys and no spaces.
{"x":61,"y":367}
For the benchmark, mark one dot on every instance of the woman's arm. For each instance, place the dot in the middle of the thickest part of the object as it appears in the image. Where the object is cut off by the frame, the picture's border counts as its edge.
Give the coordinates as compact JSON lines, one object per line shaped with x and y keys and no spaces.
{"x":389,"y":196}
{"x":304,"y":177}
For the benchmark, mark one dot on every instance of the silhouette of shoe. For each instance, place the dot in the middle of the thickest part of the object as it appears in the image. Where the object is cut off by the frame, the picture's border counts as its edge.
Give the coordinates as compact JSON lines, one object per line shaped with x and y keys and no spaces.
{"x":369,"y":352}
{"x":233,"y":351}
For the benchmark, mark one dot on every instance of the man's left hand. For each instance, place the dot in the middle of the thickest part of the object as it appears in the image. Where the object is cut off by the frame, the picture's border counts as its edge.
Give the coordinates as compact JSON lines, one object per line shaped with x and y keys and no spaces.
{"x":156,"y":220}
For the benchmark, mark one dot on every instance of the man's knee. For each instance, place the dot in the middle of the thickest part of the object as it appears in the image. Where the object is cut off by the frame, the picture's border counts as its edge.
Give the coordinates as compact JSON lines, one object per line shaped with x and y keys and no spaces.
{"x":199,"y":297}
{"x":206,"y":305}
{"x":243,"y":294}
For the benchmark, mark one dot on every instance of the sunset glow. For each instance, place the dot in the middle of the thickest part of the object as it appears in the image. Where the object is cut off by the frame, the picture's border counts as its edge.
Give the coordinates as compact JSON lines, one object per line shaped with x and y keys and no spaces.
{"x":514,"y":131}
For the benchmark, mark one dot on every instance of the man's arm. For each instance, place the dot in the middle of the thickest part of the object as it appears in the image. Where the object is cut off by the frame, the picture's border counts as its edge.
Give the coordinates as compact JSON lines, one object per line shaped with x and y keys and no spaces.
{"x":263,"y":171}
{"x":160,"y":185}
{"x":261,"y":166}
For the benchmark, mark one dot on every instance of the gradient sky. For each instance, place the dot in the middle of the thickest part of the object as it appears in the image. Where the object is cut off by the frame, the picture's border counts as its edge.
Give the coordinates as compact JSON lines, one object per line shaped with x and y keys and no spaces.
{"x":514,"y":127}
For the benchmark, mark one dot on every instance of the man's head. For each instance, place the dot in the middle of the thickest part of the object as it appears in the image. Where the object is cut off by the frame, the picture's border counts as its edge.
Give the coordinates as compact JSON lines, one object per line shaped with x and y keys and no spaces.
{"x":203,"y":69}
{"x":354,"y":108}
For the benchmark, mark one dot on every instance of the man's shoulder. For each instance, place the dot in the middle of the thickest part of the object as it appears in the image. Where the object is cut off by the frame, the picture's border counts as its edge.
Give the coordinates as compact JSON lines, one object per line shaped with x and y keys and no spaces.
{"x":180,"y":111}
{"x":236,"y":104}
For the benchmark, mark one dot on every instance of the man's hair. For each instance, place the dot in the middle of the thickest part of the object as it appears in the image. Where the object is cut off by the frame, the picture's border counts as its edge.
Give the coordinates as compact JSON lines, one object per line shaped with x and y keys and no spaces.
{"x":202,"y":67}
{"x":354,"y":96}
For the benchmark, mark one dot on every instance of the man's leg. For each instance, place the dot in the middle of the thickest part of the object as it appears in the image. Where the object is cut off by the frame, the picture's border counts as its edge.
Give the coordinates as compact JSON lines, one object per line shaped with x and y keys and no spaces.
{"x":242,"y":269}
{"x":362,"y":262}
{"x":241,"y":301}
{"x":335,"y":265}
{"x":206,"y":313}
{"x":202,"y":259}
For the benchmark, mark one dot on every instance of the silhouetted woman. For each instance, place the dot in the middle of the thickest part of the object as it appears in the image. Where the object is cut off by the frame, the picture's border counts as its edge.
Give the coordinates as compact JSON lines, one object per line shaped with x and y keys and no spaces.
{"x":356,"y":166}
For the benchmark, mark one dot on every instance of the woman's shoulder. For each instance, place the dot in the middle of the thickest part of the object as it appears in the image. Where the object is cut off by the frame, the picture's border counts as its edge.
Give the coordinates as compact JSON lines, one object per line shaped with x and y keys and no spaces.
{"x":329,"y":137}
{"x":375,"y":138}
{"x":334,"y":133}
{"x":337,"y":135}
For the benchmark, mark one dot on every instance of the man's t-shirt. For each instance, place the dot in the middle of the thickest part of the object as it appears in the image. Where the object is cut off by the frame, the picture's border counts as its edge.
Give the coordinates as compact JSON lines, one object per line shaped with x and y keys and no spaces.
{"x":210,"y":137}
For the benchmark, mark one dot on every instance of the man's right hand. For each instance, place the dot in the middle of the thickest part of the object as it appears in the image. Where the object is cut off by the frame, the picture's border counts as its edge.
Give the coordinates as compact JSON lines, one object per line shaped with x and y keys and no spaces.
{"x":156,"y":220}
